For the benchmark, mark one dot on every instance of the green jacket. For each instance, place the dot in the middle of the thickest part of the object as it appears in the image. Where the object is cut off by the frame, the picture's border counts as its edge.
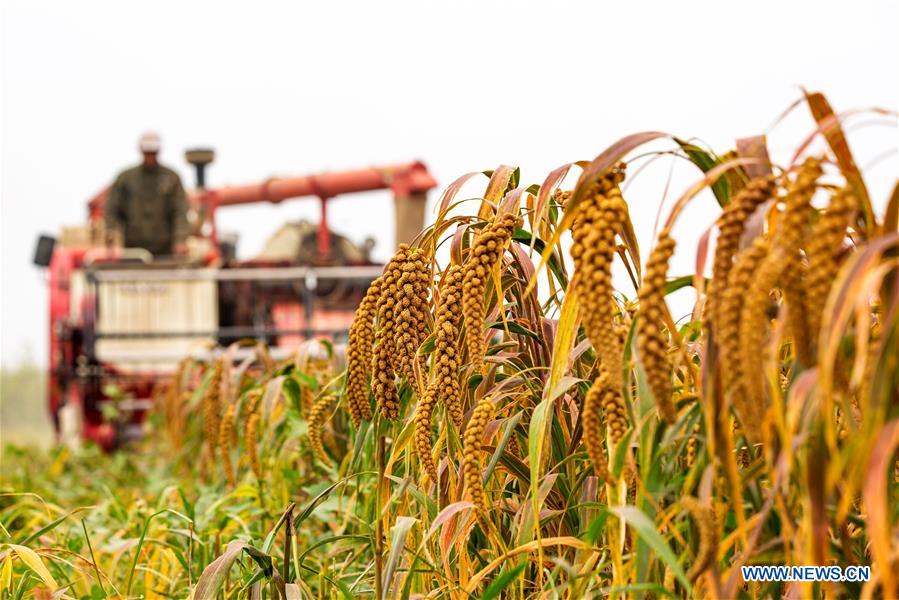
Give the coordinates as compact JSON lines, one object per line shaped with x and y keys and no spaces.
{"x":149,"y":207}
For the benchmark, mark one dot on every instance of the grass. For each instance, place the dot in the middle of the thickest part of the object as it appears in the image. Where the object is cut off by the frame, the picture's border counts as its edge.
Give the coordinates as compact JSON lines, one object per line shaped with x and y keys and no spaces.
{"x":614,"y":451}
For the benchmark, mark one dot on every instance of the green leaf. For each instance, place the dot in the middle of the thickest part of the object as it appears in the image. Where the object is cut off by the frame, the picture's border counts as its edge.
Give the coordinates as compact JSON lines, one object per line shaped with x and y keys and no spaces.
{"x":706,"y":161}
{"x":646,"y":529}
{"x":502,"y":581}
{"x":399,"y":533}
{"x":213,"y":577}
{"x":513,"y":327}
{"x":678,"y":283}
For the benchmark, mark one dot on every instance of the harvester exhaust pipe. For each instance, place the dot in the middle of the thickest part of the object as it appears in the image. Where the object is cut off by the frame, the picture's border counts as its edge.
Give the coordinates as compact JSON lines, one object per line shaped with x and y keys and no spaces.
{"x":200,"y":158}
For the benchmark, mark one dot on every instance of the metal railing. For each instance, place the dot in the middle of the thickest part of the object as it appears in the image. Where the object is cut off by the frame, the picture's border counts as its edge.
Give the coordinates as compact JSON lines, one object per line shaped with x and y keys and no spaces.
{"x":253,"y":290}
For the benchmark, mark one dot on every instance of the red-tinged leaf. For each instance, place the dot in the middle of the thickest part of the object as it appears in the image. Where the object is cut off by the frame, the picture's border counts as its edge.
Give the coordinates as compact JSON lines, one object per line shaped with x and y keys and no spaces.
{"x":877,"y":508}
{"x":816,"y":475}
{"x":614,"y":153}
{"x":527,"y":267}
{"x":456,"y":245}
{"x":846,"y":291}
{"x":496,"y":189}
{"x":512,"y":201}
{"x":822,"y":111}
{"x":547,"y":188}
{"x":592,"y":172}
{"x":633,"y":249}
{"x":702,"y":252}
{"x":446,"y":198}
{"x":755,"y":147}
{"x":891,"y":216}
{"x":443,"y":519}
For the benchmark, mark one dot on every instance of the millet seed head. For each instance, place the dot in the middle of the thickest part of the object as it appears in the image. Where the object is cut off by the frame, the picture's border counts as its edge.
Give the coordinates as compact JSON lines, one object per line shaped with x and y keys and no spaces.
{"x":704,"y":517}
{"x":652,"y":344}
{"x":359,"y":355}
{"x":734,"y":371}
{"x":824,"y":250}
{"x":471,"y":461}
{"x":484,"y":255}
{"x":316,"y":426}
{"x":731,"y":225}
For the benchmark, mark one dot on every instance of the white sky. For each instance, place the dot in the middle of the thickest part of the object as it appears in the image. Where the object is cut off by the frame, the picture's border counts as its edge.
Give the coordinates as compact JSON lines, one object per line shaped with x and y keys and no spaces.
{"x":292,"y":88}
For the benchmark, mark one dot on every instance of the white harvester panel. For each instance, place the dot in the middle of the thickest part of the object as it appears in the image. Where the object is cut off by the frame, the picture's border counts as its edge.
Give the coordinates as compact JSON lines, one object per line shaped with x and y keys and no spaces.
{"x":152,"y":314}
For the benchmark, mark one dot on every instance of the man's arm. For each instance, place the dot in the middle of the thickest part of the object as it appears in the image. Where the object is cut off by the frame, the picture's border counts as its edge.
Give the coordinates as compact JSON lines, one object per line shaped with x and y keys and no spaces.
{"x":112,"y":212}
{"x":180,"y":228}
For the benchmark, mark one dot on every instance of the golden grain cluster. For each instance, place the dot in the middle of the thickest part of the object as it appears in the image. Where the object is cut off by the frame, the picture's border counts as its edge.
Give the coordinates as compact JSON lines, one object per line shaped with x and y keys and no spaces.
{"x":383,"y":369}
{"x":731,"y":225}
{"x":444,"y":383}
{"x":471,"y":462}
{"x":599,"y":219}
{"x":483,"y":258}
{"x":212,"y":408}
{"x":652,"y":344}
{"x":824,"y":250}
{"x":359,"y":355}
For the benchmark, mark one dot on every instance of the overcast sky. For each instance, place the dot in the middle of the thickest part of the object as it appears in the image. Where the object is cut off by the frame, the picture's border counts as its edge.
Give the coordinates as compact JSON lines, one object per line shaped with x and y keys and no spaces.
{"x":293,"y":88}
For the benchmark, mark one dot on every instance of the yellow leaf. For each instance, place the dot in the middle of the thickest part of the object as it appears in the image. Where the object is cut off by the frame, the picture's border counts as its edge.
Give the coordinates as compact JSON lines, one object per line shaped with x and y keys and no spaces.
{"x":34,"y":562}
{"x":532,"y":546}
{"x":6,"y":575}
{"x":566,"y":333}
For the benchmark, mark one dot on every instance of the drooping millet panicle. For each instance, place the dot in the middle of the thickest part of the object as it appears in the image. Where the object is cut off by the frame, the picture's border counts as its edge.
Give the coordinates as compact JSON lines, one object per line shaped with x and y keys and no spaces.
{"x":733,"y":372}
{"x":782,"y":258}
{"x":383,"y":361}
{"x":485,"y":253}
{"x":613,"y":409}
{"x":651,"y":340}
{"x":226,"y":432}
{"x":424,"y":413}
{"x":444,"y":384}
{"x":600,"y":216}
{"x":212,"y":407}
{"x":409,"y":315}
{"x":692,"y":445}
{"x":250,"y":405}
{"x":731,"y":225}
{"x":359,"y":353}
{"x":790,"y":236}
{"x":794,"y":296}
{"x":383,"y":384}
{"x":823,"y":250}
{"x":594,"y":436}
{"x":251,"y":443}
{"x":704,"y":517}
{"x":173,"y":405}
{"x":471,"y":460}
{"x":446,"y":347}
{"x":316,"y":426}
{"x":251,"y":430}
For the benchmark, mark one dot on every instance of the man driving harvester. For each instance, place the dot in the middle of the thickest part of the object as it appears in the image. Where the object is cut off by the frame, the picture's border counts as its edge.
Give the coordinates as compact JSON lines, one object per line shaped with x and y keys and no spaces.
{"x":146,"y":207}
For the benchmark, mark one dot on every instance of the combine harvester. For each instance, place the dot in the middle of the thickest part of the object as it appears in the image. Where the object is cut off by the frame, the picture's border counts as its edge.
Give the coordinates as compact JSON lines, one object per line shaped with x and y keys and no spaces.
{"x":120,"y":320}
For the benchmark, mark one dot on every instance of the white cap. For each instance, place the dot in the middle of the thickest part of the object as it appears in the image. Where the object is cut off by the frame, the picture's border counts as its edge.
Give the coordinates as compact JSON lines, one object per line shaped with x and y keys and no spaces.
{"x":149,"y":142}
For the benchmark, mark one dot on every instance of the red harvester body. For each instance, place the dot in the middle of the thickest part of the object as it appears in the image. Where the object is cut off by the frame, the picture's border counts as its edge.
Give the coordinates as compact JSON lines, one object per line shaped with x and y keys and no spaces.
{"x":121,"y":320}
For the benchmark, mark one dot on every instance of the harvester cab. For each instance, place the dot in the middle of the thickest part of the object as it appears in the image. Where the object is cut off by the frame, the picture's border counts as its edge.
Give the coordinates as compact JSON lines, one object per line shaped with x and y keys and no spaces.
{"x":121,"y":319}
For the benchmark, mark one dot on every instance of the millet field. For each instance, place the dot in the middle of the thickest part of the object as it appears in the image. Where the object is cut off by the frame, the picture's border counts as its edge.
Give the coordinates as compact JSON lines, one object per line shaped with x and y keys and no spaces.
{"x":520,"y":413}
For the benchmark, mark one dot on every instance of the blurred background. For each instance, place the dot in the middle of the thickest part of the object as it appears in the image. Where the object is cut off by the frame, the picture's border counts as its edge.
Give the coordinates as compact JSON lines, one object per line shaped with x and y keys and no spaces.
{"x":284,"y":88}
